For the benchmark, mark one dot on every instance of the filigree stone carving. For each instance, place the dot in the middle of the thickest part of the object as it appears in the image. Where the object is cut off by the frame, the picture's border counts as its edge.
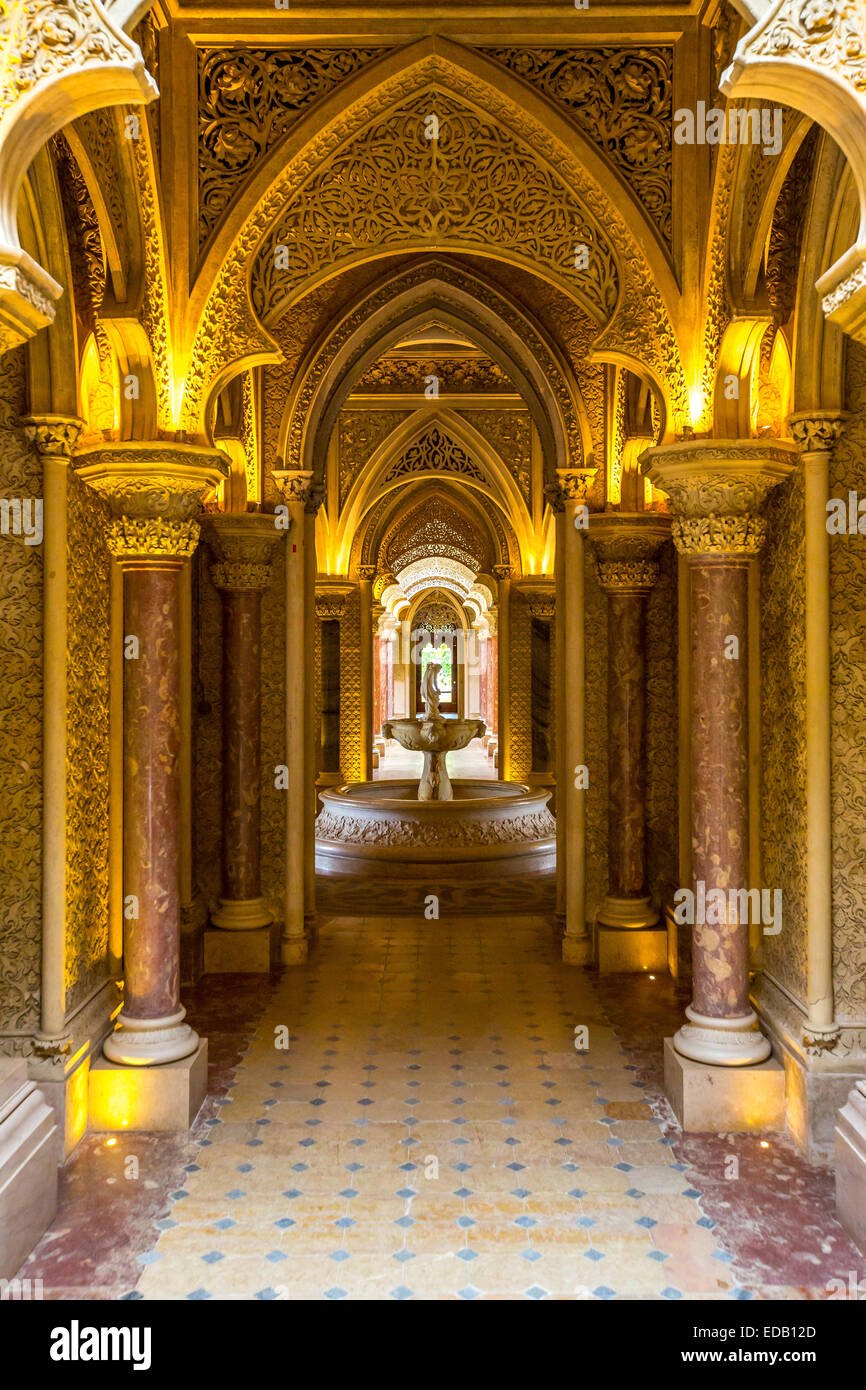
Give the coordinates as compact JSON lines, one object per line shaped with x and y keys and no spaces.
{"x":477,"y":185}
{"x":477,"y":374}
{"x":829,"y":34}
{"x":243,"y":546}
{"x":455,"y":830}
{"x":130,"y":536}
{"x":717,"y":489}
{"x":622,"y":99}
{"x":332,"y":595}
{"x":627,"y":576}
{"x":435,"y":452}
{"x":434,"y":526}
{"x":509,"y":431}
{"x":54,"y":435}
{"x":249,"y":99}
{"x":360,"y":432}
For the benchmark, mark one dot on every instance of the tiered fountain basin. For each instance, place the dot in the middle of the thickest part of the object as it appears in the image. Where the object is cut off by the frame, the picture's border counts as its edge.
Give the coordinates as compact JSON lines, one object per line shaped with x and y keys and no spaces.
{"x":488,"y":830}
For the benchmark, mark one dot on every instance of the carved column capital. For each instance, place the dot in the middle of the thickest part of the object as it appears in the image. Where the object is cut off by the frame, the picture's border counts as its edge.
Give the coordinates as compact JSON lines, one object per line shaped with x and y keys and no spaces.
{"x":816,"y":431}
{"x":626,"y":544}
{"x":154,"y":493}
{"x":332,"y":595}
{"x":716,"y":489}
{"x":366,"y":573}
{"x":540,"y":594}
{"x":55,"y":436}
{"x":242,"y":547}
{"x":502,"y":572}
{"x":299,"y":485}
{"x":572,"y":485}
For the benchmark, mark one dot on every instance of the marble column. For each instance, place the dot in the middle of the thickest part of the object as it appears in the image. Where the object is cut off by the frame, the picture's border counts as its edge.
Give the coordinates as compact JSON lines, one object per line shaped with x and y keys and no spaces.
{"x":242,"y":545}
{"x":568,"y":499}
{"x":502,"y":575}
{"x":625,"y":546}
{"x":716,"y":489}
{"x":154,"y":494}
{"x":366,"y":575}
{"x":296,"y":487}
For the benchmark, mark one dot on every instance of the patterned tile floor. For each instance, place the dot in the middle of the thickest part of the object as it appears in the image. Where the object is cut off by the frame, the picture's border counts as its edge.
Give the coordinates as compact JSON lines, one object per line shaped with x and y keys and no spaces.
{"x":431,"y":1132}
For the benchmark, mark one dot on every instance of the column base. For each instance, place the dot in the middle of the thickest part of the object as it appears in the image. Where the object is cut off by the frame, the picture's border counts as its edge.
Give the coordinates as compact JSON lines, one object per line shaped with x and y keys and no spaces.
{"x":311,"y":926}
{"x":165,"y":1099}
{"x":722,"y":1042}
{"x":29,"y":1154}
{"x":632,"y":951}
{"x":851,"y":1165}
{"x":628,"y":913}
{"x":241,"y":953}
{"x":294,"y":950}
{"x":719,"y":1100}
{"x":576,"y":950}
{"x":150,"y":1042}
{"x":243,"y":914}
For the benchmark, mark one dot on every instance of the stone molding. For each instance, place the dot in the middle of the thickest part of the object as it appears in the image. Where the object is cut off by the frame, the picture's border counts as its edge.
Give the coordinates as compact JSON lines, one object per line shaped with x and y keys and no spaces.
{"x":456,"y":831}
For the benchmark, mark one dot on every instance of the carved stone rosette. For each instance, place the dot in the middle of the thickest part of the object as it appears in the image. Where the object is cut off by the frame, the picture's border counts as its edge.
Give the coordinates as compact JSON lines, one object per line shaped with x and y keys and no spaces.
{"x":153,"y":492}
{"x":716,"y":490}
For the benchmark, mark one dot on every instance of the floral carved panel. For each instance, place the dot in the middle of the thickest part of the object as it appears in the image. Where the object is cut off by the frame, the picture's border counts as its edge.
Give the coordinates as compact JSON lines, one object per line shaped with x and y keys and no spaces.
{"x":21,"y":714}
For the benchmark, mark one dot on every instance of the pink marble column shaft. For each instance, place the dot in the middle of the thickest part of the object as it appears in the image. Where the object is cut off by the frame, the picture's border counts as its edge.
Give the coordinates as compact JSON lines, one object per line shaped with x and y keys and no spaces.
{"x":242,"y":702}
{"x":626,"y":685}
{"x":720,"y":779}
{"x":151,"y":791}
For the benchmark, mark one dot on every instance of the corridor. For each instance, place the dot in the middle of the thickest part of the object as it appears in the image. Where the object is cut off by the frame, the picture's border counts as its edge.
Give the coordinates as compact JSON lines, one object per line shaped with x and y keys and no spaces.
{"x":433,"y":1133}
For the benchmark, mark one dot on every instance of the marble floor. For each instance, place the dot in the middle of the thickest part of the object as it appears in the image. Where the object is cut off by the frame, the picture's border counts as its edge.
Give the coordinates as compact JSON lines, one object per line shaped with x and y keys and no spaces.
{"x":431,"y":1132}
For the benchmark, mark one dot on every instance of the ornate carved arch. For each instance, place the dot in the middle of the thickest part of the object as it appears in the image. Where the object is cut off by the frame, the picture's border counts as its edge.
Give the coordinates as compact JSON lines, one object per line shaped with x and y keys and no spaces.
{"x":463,"y":302}
{"x":224,"y":330}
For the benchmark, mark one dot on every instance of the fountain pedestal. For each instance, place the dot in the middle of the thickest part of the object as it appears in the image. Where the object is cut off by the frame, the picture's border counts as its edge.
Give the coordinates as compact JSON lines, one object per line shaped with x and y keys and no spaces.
{"x":435,"y":737}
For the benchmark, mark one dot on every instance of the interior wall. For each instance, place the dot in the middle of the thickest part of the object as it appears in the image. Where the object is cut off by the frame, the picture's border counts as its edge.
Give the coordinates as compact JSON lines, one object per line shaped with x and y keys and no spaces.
{"x":783,"y":731}
{"x":848,"y":714}
{"x":87,"y":742}
{"x":273,"y":841}
{"x":350,"y":689}
{"x":21,"y":718}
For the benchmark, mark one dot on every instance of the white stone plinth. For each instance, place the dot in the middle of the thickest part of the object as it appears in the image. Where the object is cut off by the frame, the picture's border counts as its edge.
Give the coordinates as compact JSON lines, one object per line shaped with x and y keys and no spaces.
{"x":851,"y":1165}
{"x":708,"y":1099}
{"x":163,"y":1098}
{"x":29,"y":1154}
{"x":635,"y":951}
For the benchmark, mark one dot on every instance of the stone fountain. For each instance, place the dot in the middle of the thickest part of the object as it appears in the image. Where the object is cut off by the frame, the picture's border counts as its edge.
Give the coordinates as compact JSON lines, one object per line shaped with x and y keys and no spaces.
{"x":435,"y":737}
{"x":435,"y":829}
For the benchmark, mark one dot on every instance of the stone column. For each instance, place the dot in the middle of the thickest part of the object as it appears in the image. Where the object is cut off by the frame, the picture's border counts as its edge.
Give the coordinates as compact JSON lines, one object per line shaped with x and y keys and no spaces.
{"x":296,"y":488}
{"x":154,"y":493}
{"x":243,"y":546}
{"x":54,"y":437}
{"x":568,"y":498}
{"x":716,"y":489}
{"x":366,"y":575}
{"x":502,"y":575}
{"x":816,"y":433}
{"x":625,"y":545}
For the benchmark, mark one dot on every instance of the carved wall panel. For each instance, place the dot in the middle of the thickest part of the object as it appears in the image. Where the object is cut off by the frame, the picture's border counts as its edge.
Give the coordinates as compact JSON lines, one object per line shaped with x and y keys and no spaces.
{"x":249,"y":98}
{"x":21,"y":717}
{"x":661,"y":729}
{"x":476,"y":185}
{"x":848,"y":709}
{"x":87,"y":750}
{"x":454,"y":374}
{"x":350,"y":690}
{"x":783,"y":730}
{"x":783,"y":249}
{"x":207,"y":711}
{"x":434,"y":526}
{"x":596,"y":738}
{"x":360,"y":432}
{"x":435,"y":452}
{"x":509,"y":433}
{"x":520,"y":687}
{"x":274,"y":731}
{"x":622,"y":100}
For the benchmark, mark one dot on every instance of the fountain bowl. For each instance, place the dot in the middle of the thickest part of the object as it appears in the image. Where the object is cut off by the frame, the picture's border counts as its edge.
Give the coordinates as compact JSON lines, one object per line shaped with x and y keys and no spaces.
{"x":489,"y":830}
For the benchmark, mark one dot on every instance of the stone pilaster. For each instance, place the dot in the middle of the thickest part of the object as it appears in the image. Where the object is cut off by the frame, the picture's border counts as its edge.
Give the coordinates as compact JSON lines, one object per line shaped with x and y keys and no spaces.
{"x":243,"y":547}
{"x":716,"y":489}
{"x":154,"y":493}
{"x":626,"y":546}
